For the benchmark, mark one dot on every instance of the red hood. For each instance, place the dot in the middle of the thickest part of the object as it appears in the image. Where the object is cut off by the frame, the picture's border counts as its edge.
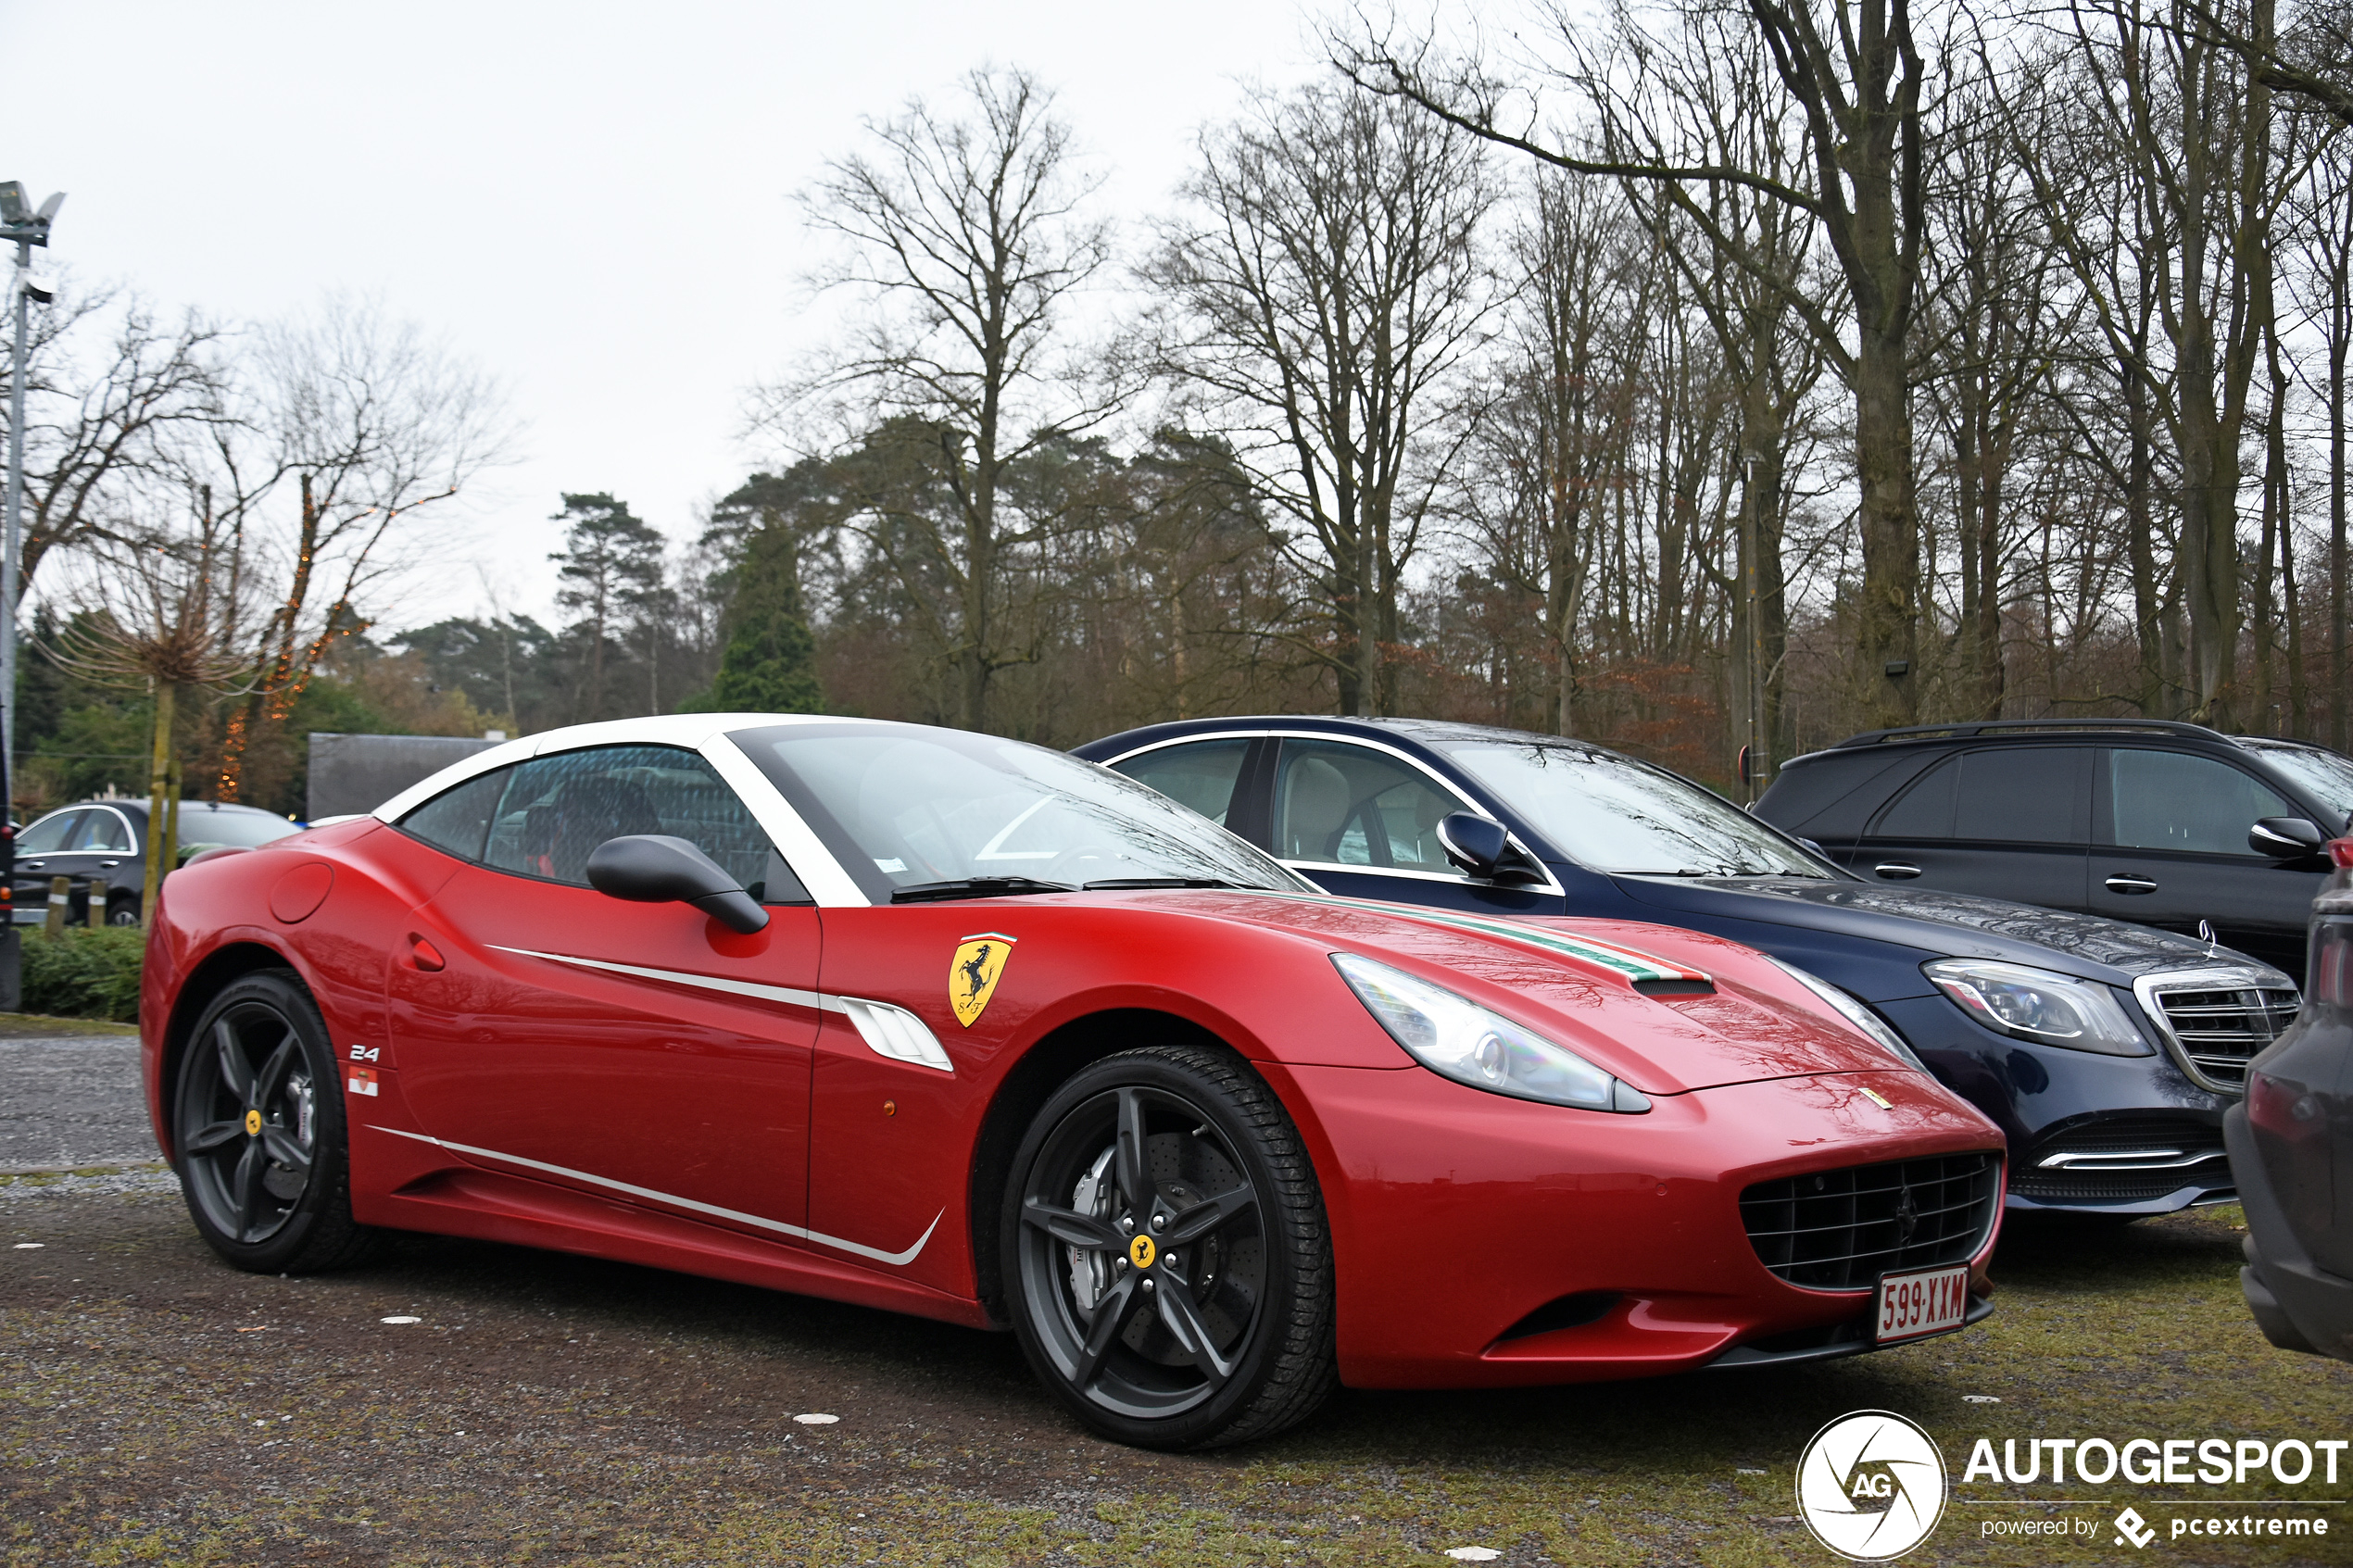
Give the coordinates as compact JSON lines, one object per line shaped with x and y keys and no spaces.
{"x":1576,"y":982}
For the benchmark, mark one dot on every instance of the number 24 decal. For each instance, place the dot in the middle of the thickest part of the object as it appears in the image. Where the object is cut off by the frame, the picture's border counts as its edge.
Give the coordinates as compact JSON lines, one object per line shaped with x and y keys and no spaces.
{"x":365,"y":1053}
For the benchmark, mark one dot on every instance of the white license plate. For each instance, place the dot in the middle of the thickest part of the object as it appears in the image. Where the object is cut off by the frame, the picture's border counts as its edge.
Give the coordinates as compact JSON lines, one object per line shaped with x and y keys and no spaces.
{"x":1924,"y":1301}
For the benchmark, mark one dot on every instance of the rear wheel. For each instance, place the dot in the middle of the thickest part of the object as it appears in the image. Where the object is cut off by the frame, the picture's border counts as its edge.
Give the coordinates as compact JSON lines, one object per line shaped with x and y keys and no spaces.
{"x":258,"y":1123}
{"x":1168,"y":1266}
{"x":123,"y":912}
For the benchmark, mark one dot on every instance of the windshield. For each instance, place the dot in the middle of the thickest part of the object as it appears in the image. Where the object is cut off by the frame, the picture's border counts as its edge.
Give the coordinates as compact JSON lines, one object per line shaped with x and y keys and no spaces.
{"x":200,"y":824}
{"x":904,"y":807}
{"x":2325,"y":775}
{"x":1612,"y":814}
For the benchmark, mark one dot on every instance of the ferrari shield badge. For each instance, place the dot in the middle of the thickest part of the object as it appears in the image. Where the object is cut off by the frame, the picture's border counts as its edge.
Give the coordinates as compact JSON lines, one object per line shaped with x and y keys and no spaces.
{"x":972,"y":979}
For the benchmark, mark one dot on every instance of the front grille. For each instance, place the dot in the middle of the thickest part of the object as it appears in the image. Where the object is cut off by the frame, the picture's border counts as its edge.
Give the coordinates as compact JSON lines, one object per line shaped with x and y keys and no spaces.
{"x":1841,"y":1230}
{"x":2216,"y":1032}
{"x":2123,"y":1159}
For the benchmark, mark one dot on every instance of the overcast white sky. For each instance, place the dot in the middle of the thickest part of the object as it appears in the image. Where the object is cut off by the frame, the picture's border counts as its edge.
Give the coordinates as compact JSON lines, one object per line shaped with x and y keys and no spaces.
{"x":589,"y":200}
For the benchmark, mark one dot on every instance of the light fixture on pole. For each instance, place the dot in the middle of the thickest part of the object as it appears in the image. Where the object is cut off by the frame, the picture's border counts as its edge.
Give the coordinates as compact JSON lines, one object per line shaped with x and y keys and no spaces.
{"x":28,"y":226}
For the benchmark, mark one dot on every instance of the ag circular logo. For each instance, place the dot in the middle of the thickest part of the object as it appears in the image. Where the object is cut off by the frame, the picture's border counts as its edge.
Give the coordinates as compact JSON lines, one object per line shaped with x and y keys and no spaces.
{"x":1871,"y":1485}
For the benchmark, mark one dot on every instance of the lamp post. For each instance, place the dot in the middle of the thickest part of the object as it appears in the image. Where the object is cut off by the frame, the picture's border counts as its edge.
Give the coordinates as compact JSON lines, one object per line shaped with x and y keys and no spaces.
{"x":28,"y":227}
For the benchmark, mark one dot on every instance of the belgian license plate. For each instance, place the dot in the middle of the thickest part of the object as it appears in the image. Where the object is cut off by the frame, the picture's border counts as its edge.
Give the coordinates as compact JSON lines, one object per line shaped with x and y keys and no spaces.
{"x":1922,"y":1302}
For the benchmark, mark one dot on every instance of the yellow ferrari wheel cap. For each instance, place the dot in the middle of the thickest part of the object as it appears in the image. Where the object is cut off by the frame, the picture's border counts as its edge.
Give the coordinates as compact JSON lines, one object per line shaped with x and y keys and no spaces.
{"x":253,"y":1123}
{"x":1141,"y":1252}
{"x":971,"y":978}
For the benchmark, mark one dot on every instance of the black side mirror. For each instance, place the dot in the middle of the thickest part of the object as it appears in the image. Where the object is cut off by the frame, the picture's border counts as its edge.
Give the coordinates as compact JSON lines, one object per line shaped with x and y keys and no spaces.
{"x":2286,"y":837}
{"x":1475,"y":844}
{"x":653,"y":868}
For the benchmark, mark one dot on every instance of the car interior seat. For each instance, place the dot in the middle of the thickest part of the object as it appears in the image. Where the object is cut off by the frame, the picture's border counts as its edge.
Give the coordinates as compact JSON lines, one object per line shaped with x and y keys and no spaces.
{"x":1315,"y":805}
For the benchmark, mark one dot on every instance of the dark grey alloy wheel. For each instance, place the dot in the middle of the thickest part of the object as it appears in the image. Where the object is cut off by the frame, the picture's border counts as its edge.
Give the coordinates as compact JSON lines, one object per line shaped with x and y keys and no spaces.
{"x":258,"y":1125}
{"x":1171,"y":1268}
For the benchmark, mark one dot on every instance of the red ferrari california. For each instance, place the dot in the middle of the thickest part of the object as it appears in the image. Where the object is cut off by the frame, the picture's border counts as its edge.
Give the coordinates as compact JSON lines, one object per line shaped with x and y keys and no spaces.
{"x":959,"y":1026}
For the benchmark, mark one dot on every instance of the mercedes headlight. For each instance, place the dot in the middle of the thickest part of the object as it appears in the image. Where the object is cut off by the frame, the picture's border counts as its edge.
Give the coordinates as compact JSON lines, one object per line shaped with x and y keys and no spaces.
{"x":1855,"y":1012}
{"x":1464,"y":1042}
{"x":2034,"y":1004}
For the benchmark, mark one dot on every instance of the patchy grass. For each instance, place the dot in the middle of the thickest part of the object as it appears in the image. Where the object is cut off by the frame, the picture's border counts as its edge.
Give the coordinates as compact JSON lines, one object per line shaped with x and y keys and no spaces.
{"x":44,"y":1026}
{"x":156,"y":1407}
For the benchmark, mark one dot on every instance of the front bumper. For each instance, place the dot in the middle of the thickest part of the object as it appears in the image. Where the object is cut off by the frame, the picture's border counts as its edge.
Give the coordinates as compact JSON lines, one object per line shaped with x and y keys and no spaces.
{"x":1468,"y":1225}
{"x":2298,"y":1305}
{"x":2068,"y":1113}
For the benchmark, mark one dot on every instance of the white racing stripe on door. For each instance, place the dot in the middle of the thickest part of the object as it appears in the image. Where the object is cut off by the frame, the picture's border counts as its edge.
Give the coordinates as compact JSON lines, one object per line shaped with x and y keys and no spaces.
{"x":797,"y":1232}
{"x":888,"y":1030}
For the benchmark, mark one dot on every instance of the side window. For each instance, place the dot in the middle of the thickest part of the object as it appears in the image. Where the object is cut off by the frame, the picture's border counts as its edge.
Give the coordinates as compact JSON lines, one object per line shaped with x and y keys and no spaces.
{"x":2174,"y":800}
{"x":2023,"y":794}
{"x":50,"y":835}
{"x":1925,"y":810}
{"x":1342,"y":805}
{"x":458,"y":819}
{"x":557,"y":810}
{"x":2018,"y":794}
{"x":1200,"y":775}
{"x":103,"y":832}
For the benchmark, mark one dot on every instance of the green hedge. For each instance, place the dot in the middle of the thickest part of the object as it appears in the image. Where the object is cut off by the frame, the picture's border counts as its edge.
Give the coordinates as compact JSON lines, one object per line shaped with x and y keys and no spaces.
{"x":82,"y":972}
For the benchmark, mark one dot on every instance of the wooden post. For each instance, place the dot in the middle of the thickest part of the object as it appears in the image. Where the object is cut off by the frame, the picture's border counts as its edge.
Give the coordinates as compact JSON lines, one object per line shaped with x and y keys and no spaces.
{"x":159,"y":774}
{"x":93,"y":899}
{"x":52,"y":924}
{"x":172,"y":823}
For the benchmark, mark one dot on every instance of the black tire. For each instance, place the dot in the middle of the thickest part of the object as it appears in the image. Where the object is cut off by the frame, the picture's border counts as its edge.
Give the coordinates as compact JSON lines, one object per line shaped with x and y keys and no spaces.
{"x":259,"y":1127}
{"x":1221,"y":1335}
{"x":123,"y":912}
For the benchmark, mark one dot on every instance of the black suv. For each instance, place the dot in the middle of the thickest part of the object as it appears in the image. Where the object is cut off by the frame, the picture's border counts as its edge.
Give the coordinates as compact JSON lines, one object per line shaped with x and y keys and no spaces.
{"x":2159,"y":823}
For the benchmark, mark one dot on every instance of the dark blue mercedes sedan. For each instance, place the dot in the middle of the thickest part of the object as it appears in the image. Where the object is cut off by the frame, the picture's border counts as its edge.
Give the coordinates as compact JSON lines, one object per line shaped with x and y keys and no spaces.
{"x":2106,"y":1052}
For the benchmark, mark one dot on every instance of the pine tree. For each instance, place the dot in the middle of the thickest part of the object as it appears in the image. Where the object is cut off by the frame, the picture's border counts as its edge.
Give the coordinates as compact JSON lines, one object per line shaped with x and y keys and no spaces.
{"x":611,"y":563}
{"x":769,"y":665}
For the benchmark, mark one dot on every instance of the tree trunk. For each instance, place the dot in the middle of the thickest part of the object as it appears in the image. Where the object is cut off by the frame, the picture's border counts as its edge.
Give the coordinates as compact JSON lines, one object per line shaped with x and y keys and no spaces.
{"x":161,"y":767}
{"x":1887,"y":628}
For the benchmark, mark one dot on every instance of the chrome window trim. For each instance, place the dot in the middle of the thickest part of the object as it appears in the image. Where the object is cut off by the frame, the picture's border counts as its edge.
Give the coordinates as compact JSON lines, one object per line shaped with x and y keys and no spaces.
{"x":1452,"y":879}
{"x":2148,"y":988}
{"x":128,"y":834}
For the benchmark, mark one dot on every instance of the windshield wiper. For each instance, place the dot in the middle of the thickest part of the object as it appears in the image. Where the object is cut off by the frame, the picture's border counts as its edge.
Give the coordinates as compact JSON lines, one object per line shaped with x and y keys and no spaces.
{"x":1116,"y":882}
{"x":973,"y":888}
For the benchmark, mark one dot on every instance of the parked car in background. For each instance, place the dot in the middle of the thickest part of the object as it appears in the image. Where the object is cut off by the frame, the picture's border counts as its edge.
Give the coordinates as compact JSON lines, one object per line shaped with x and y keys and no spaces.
{"x":2158,"y":823}
{"x":102,"y":845}
{"x":2291,"y":1147}
{"x":2106,"y":1052}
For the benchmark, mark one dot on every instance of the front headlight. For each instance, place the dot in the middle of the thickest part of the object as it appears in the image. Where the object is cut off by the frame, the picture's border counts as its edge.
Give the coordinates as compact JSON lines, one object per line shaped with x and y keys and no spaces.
{"x":1856,"y":1013}
{"x":2034,"y":1004}
{"x":1464,"y":1042}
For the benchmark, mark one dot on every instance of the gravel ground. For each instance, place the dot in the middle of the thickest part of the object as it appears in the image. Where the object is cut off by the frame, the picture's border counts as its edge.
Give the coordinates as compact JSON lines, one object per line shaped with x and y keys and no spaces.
{"x":72,"y":1102}
{"x":157,"y":1406}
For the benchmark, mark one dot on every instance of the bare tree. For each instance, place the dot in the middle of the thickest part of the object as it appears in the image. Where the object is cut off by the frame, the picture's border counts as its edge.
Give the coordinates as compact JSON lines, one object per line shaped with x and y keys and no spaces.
{"x":372,"y":423}
{"x":1320,"y":295}
{"x":965,"y":232}
{"x":1853,"y":72}
{"x":111,"y":391}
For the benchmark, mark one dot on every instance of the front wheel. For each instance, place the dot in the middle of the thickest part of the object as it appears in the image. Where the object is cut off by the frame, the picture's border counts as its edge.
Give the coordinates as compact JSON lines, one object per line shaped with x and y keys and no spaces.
{"x":258,"y":1125}
{"x":1168,"y":1264}
{"x":123,"y":912}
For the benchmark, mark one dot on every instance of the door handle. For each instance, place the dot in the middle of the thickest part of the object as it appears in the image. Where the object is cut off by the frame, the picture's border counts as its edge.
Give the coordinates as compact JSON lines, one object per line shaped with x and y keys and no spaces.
{"x":425,"y":955}
{"x":1896,"y":870}
{"x":2125,"y":882}
{"x":108,"y":865}
{"x":32,"y":865}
